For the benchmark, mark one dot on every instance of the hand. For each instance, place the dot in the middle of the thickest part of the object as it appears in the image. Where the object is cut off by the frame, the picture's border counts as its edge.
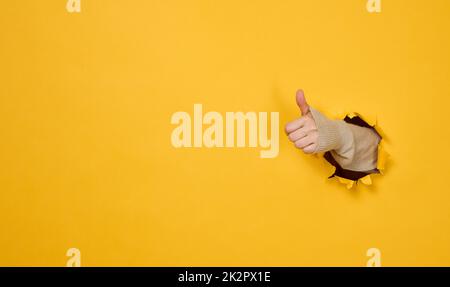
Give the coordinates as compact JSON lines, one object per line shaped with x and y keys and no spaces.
{"x":303,"y":131}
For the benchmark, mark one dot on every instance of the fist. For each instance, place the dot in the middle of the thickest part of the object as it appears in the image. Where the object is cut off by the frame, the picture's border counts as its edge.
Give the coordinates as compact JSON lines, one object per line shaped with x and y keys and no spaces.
{"x":303,"y":131}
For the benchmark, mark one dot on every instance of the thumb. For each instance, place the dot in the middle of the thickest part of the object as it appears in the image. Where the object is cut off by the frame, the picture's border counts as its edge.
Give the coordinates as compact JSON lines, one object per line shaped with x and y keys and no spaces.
{"x":301,"y":102}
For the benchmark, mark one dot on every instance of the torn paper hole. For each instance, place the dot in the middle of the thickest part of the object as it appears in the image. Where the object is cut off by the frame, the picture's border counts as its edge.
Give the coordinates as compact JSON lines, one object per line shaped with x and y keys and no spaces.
{"x":349,"y":177}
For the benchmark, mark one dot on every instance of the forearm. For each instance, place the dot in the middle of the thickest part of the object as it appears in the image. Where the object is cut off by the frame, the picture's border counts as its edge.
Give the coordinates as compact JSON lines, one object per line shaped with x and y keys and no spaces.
{"x":353,"y":147}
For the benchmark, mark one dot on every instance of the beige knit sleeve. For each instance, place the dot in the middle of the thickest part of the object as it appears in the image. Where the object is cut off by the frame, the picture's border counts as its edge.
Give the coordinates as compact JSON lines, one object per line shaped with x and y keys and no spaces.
{"x":353,"y":147}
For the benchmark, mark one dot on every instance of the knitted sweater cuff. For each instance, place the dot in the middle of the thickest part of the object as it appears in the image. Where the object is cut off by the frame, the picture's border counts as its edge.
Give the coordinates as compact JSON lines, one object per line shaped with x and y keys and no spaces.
{"x":332,"y":133}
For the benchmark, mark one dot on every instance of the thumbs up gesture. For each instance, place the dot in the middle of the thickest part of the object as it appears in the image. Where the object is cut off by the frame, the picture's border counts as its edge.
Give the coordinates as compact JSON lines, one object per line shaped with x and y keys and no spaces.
{"x":352,"y":146}
{"x":303,"y":131}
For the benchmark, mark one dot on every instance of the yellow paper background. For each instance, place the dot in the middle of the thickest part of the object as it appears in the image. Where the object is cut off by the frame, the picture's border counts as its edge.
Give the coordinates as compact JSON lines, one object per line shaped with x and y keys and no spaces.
{"x":87,"y":162}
